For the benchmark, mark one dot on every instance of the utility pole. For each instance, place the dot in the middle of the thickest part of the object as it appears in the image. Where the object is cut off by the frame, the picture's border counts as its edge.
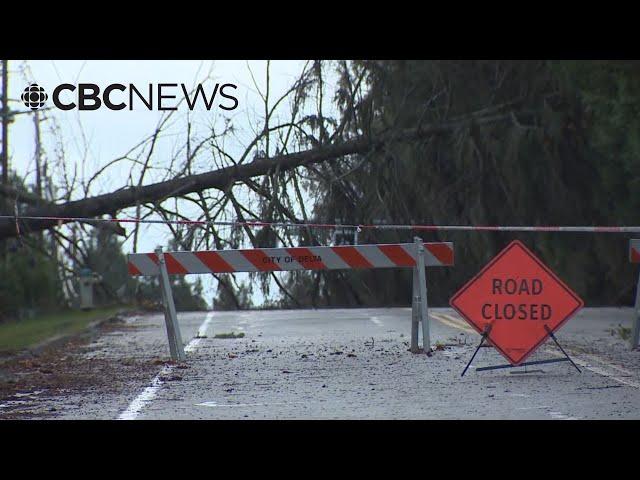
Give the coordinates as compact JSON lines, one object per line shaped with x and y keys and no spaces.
{"x":38,"y":154}
{"x":5,"y":122}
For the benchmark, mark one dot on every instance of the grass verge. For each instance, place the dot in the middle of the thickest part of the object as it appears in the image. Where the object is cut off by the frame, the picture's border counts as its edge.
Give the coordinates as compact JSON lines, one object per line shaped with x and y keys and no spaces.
{"x":18,"y":335}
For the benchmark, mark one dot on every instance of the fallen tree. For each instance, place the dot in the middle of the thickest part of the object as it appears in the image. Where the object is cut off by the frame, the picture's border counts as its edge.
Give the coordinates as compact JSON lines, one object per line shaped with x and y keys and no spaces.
{"x":223,"y":178}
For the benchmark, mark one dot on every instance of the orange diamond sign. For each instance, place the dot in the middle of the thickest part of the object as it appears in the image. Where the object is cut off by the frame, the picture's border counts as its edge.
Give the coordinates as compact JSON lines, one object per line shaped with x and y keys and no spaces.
{"x":512,"y":298}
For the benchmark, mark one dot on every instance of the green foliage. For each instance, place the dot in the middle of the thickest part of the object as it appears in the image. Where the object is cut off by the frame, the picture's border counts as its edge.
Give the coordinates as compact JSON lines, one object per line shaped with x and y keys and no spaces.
{"x":623,"y":332}
{"x":29,"y":277}
{"x":610,"y":91}
{"x":185,"y":296}
{"x":562,"y":149}
{"x":230,"y":297}
{"x":28,"y":281}
{"x":110,"y":262}
{"x":105,"y":257}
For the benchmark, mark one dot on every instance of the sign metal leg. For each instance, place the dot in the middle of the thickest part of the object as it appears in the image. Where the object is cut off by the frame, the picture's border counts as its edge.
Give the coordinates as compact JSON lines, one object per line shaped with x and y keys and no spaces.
{"x":537,"y":362}
{"x":566,"y":358}
{"x":170,"y":317}
{"x":553,"y":337}
{"x":484,"y":335}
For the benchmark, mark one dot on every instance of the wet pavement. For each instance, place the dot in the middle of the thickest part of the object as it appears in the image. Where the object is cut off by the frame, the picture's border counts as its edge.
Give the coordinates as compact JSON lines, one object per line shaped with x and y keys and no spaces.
{"x":348,"y":364}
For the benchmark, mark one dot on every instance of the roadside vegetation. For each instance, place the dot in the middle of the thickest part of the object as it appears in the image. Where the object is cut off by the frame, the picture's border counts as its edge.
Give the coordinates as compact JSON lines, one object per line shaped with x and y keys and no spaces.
{"x":532,"y":143}
{"x":16,"y":335}
{"x":624,"y":333}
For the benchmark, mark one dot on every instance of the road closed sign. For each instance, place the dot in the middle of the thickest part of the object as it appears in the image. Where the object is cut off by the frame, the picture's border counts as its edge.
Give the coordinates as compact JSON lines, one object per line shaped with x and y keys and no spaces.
{"x":512,"y":299}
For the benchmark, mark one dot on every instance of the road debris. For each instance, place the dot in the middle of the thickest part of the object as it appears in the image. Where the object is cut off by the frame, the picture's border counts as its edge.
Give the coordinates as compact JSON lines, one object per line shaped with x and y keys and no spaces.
{"x":229,"y":335}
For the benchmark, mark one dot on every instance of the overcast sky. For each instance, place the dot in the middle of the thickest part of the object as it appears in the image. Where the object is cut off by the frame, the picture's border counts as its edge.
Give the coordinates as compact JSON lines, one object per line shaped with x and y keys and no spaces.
{"x":111,"y":133}
{"x":102,"y":135}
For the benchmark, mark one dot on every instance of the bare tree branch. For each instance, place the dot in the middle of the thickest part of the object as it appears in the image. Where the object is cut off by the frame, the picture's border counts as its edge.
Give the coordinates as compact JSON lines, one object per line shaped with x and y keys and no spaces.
{"x":223,"y":178}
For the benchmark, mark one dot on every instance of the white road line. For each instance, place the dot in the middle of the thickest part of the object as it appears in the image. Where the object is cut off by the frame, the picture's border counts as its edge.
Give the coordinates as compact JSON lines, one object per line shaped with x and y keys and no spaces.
{"x":202,"y":332}
{"x":610,"y":365}
{"x":604,"y":373}
{"x":376,"y":321}
{"x":561,"y":416}
{"x":214,"y":404}
{"x":595,"y":369}
{"x":149,"y":393}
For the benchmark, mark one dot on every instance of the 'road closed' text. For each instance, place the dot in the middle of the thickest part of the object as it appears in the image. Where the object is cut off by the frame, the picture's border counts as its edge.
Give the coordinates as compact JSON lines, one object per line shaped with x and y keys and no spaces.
{"x":520,"y":311}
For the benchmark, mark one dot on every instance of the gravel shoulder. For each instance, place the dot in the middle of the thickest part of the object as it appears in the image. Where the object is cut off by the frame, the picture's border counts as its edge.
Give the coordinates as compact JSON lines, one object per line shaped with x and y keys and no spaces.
{"x":64,"y":375}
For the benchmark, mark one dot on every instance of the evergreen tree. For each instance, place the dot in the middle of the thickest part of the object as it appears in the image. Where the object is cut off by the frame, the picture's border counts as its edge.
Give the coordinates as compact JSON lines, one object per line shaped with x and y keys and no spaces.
{"x":29,"y":279}
{"x":560,"y":149}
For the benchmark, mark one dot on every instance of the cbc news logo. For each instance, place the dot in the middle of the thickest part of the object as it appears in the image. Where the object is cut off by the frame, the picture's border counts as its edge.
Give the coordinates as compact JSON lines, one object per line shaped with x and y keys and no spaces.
{"x":120,"y":96}
{"x":34,"y":97}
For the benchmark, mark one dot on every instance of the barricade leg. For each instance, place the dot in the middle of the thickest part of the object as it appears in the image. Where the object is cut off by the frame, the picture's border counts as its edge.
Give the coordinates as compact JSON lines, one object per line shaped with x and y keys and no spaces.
{"x":170,"y":317}
{"x":422,"y":293}
{"x":414,"y":312}
{"x":635,"y":331}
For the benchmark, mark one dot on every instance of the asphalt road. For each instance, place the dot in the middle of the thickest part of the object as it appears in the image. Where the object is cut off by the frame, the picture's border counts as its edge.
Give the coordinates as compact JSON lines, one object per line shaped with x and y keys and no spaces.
{"x":355,"y":364}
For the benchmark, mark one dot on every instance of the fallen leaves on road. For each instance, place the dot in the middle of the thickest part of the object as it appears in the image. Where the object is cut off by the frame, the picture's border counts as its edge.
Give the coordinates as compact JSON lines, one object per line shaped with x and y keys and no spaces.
{"x":60,"y":370}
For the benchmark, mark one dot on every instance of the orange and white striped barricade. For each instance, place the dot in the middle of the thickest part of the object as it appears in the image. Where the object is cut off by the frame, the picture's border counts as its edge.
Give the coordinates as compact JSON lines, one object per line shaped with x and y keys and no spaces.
{"x":634,"y":257}
{"x":417,"y":255}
